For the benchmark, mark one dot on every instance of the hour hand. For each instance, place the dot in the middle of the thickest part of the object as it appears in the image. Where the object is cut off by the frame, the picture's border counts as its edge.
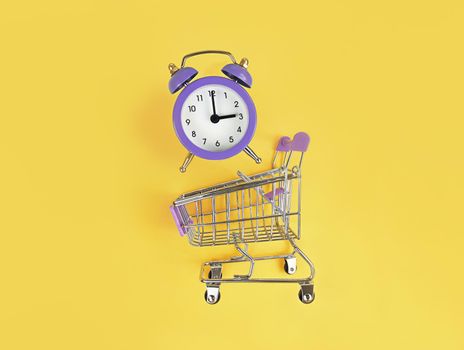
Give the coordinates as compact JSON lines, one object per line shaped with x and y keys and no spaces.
{"x":216,"y":118}
{"x":227,"y":116}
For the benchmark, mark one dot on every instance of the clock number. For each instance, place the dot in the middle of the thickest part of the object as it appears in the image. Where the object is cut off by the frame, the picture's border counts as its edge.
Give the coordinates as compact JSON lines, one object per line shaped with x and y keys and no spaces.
{"x":192,"y":108}
{"x":231,"y":139}
{"x":240,"y":116}
{"x":225,"y":94}
{"x":236,"y":103}
{"x":199,"y":98}
{"x":239,"y":129}
{"x":187,"y":121}
{"x":211,"y":93}
{"x":217,"y":143}
{"x":204,"y":141}
{"x":194,"y":134}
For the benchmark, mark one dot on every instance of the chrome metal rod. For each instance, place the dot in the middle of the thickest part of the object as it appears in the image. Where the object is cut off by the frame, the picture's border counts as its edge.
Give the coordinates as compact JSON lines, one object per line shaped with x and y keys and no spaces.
{"x":186,"y":162}
{"x":245,"y":256}
{"x":252,"y":154}
{"x":206,"y":52}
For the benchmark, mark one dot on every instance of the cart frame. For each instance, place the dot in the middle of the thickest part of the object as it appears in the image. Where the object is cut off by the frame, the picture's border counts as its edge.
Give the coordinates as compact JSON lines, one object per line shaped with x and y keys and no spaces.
{"x":252,"y":215}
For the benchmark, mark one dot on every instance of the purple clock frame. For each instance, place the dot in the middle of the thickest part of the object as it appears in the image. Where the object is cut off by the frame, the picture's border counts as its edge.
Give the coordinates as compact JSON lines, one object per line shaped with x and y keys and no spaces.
{"x":176,"y":118}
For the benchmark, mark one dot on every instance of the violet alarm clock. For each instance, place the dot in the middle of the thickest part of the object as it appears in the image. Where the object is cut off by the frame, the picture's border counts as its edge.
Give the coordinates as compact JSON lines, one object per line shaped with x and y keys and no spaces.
{"x":214,"y":117}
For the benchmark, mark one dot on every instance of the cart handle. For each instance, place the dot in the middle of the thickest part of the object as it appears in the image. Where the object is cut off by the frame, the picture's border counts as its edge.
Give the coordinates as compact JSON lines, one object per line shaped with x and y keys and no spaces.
{"x":177,"y":219}
{"x":299,"y":143}
{"x":286,"y":145}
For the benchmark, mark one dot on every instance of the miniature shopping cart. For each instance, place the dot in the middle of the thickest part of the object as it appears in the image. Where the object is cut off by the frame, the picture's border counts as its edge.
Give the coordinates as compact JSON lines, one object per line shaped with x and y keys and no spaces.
{"x":260,"y":208}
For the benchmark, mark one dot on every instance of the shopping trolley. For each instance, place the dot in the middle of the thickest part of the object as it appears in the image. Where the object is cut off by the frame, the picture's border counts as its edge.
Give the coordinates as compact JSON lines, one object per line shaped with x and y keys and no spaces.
{"x":259,"y":208}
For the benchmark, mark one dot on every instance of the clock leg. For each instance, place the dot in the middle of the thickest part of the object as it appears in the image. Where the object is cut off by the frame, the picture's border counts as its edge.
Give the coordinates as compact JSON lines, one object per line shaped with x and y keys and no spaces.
{"x":252,"y":154}
{"x":186,"y":162}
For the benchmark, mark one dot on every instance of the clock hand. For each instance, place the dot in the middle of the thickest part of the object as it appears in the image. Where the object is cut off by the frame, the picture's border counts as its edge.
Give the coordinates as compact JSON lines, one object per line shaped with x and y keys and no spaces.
{"x":214,"y":105}
{"x":227,"y":116}
{"x":215,"y":118}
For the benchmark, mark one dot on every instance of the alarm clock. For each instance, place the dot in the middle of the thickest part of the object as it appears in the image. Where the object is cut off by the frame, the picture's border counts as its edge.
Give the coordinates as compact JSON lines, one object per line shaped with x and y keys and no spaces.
{"x":214,"y":117}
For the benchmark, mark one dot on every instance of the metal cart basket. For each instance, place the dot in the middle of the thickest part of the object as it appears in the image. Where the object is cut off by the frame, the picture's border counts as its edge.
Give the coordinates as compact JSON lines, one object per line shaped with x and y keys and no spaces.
{"x":259,"y":208}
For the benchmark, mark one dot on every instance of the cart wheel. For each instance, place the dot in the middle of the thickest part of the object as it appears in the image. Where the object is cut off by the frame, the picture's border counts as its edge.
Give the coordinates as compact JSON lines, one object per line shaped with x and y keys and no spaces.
{"x":211,"y":299}
{"x":306,"y":298}
{"x":290,"y":268}
{"x":210,"y":275}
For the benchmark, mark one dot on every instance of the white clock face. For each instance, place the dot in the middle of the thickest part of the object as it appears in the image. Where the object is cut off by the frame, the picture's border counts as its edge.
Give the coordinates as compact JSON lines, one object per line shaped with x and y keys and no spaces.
{"x":214,"y":117}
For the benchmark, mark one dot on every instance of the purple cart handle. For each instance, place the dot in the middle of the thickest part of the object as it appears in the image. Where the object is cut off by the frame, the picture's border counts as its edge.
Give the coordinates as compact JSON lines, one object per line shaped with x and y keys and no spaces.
{"x":300,"y":142}
{"x":285,"y":144}
{"x":175,"y":215}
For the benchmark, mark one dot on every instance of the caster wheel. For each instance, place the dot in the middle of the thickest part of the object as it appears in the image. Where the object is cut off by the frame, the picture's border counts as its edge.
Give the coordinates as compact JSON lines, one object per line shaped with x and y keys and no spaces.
{"x":210,"y":275}
{"x":211,"y":299}
{"x":306,"y":298}
{"x":289,"y":269}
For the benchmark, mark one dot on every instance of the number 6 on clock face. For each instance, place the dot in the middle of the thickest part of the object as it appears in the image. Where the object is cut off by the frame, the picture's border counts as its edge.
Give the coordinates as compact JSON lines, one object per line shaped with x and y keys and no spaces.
{"x":214,"y":118}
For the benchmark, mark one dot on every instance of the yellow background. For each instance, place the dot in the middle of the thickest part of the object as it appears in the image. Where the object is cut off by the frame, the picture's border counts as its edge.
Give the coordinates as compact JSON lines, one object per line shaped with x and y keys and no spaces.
{"x":89,"y":255}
